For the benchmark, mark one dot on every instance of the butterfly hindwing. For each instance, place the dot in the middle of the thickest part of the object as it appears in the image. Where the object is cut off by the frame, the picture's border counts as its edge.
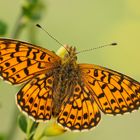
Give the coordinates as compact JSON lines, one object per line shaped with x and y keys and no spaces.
{"x":79,"y":111}
{"x":114,"y":93}
{"x":35,"y":98}
{"x":20,"y":61}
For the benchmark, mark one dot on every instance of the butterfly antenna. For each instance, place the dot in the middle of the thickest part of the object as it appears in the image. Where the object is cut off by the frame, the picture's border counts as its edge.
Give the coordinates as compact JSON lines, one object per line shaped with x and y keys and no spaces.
{"x":107,"y":45}
{"x":39,"y":26}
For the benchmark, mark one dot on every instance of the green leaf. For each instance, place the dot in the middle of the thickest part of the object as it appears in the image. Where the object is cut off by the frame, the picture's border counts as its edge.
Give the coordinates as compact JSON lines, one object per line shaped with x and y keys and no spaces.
{"x":3,"y":28}
{"x":2,"y":137}
{"x":22,"y":121}
{"x":33,"y":9}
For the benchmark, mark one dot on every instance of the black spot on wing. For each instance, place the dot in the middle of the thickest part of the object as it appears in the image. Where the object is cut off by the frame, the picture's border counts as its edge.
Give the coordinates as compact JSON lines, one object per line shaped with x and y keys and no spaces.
{"x":42,"y":55}
{"x":17,"y":46}
{"x":26,"y":71}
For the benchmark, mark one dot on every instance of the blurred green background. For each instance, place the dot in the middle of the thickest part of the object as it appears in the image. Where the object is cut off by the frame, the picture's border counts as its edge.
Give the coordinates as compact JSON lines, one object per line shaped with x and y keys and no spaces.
{"x":84,"y":24}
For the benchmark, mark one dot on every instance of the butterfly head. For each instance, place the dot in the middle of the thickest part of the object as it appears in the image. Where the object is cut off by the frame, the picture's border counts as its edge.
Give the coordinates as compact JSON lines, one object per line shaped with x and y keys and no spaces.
{"x":70,"y":56}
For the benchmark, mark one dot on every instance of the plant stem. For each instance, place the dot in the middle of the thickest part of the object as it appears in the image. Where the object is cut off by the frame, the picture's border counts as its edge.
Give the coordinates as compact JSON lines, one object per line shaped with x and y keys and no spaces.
{"x":20,"y":24}
{"x":32,"y":33}
{"x":29,"y":126}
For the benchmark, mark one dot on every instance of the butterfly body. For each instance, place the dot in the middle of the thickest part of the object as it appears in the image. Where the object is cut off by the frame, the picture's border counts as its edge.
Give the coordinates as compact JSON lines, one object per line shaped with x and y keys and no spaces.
{"x":65,"y":74}
{"x":62,"y":88}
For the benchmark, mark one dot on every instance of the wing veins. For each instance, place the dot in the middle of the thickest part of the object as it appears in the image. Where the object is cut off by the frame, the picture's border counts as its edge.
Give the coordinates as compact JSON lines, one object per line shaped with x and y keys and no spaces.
{"x":27,"y":50}
{"x":87,"y":109}
{"x":106,"y":97}
{"x":25,"y":57}
{"x":127,"y":92}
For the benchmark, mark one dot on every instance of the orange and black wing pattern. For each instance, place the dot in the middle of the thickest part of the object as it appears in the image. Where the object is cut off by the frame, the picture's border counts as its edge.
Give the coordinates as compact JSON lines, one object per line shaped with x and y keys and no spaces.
{"x":79,"y":111}
{"x":35,"y":98}
{"x":20,"y":61}
{"x":114,"y":92}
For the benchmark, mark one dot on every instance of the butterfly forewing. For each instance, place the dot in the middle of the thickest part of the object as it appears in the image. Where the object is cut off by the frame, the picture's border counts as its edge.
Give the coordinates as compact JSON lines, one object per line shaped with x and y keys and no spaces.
{"x":114,"y":93}
{"x":20,"y":61}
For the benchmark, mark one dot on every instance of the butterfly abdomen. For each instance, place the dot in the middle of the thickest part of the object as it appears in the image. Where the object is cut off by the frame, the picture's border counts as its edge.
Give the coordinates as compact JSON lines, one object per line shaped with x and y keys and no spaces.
{"x":66,"y":75}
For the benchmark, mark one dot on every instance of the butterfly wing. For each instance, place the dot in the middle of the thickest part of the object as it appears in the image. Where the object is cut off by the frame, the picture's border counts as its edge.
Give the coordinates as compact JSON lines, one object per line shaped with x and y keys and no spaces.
{"x":114,"y":92}
{"x":78,"y":111}
{"x":20,"y":61}
{"x":35,"y":98}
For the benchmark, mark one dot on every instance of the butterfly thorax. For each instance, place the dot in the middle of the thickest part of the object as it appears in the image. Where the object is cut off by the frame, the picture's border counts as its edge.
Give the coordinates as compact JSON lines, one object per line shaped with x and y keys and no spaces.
{"x":68,"y":64}
{"x":66,"y":74}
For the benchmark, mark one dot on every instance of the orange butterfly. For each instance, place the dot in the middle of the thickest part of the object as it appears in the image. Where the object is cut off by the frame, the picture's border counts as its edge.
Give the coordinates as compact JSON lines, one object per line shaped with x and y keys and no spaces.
{"x":59,"y":87}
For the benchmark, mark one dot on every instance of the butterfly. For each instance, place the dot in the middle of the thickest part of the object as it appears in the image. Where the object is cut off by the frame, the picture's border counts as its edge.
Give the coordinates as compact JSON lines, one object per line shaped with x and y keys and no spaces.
{"x":73,"y":93}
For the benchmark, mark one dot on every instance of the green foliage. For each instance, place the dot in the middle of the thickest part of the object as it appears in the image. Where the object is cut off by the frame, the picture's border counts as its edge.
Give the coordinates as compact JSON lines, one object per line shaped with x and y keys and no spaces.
{"x":33,"y":9}
{"x":2,"y":137}
{"x":35,"y":131}
{"x":3,"y":28}
{"x":22,"y":122}
{"x":53,"y":130}
{"x":33,"y":127}
{"x":27,"y":126}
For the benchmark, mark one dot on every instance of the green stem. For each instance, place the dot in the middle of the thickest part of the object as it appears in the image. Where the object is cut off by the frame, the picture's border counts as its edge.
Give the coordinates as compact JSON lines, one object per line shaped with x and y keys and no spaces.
{"x":39,"y":131}
{"x":32,"y":33}
{"x":29,"y":126}
{"x":20,"y":24}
